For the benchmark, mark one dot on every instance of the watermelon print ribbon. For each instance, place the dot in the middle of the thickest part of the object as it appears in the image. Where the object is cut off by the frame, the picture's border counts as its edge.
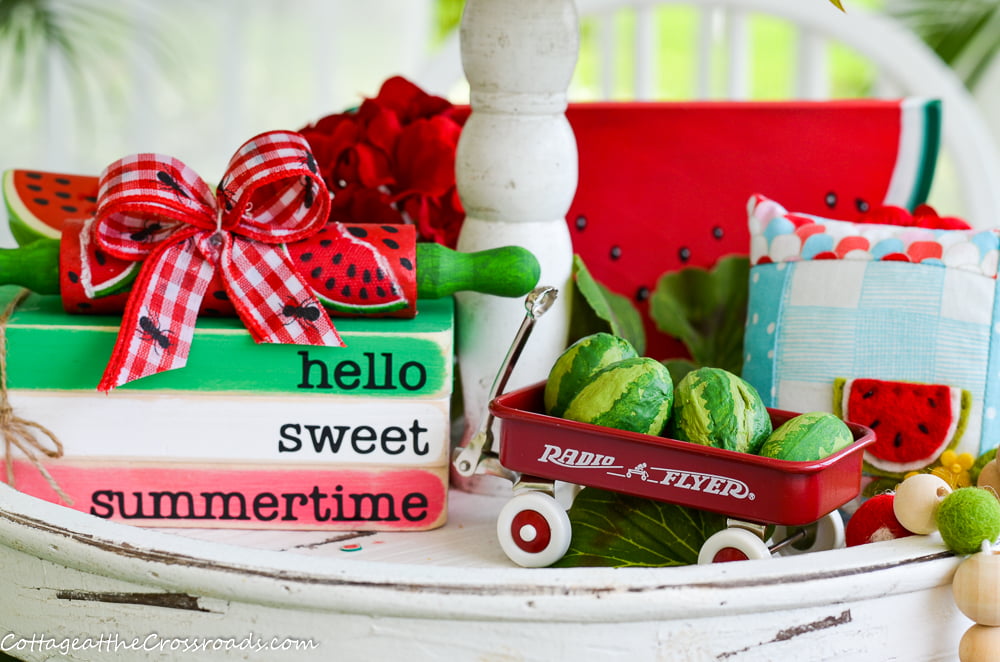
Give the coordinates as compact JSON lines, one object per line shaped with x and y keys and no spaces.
{"x":156,"y":209}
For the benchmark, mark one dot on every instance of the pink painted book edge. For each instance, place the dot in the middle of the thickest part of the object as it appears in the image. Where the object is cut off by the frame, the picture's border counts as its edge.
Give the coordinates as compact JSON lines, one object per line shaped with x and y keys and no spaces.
{"x":246,"y":497}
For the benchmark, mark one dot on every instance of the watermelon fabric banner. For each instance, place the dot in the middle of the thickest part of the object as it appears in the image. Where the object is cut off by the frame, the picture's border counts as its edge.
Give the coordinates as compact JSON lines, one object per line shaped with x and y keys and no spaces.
{"x":155,"y":209}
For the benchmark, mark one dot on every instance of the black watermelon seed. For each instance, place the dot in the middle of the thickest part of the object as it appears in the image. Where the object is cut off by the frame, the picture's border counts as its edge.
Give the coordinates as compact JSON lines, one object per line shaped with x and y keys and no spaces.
{"x":325,"y":242}
{"x":642,"y":293}
{"x":718,"y":232}
{"x":367,"y":276}
{"x":897,"y":441}
{"x":616,"y":252}
{"x":363,"y":294}
{"x":330,"y":282}
{"x":91,"y":198}
{"x":317,"y":272}
{"x":305,"y":257}
{"x":684,"y":254}
{"x":210,"y":311}
{"x":357,"y":232}
{"x":867,"y":394}
{"x":69,"y":208}
{"x":391,"y":243}
{"x":338,"y":258}
{"x":830,"y":199}
{"x":220,"y":295}
{"x":34,"y":187}
{"x":394,"y":289}
{"x":59,"y":194}
{"x":380,"y":292}
{"x":40,"y":201}
{"x":581,"y":222}
{"x":862,"y":205}
{"x":33,"y":175}
{"x":83,"y":305}
{"x":73,"y":277}
{"x":390,"y":228}
{"x":405,"y":261}
{"x":932,"y":403}
{"x":63,"y":181}
{"x":923,"y":428}
{"x":100,"y":257}
{"x":351,"y":270}
{"x":874,"y":424}
{"x":346,"y":291}
{"x":379,"y":274}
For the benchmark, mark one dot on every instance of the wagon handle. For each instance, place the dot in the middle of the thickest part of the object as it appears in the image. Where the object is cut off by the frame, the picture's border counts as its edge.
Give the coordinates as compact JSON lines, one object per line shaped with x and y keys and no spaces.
{"x":467,"y":458}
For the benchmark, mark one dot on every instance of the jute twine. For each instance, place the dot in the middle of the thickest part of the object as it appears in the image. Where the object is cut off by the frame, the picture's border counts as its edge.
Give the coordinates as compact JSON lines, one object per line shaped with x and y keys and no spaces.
{"x":18,"y":432}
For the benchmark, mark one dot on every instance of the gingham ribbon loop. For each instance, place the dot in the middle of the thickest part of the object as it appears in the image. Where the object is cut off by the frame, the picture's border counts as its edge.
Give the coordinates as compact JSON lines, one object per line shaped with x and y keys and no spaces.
{"x":156,"y":209}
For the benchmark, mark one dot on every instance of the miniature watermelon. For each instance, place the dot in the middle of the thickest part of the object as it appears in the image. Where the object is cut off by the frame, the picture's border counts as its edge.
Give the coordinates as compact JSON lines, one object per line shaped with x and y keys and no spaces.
{"x":663,"y":186}
{"x":632,"y":394}
{"x":714,"y":407}
{"x":913,"y":423}
{"x":807,"y":437}
{"x":363,"y":269}
{"x":39,"y":202}
{"x":578,"y":363}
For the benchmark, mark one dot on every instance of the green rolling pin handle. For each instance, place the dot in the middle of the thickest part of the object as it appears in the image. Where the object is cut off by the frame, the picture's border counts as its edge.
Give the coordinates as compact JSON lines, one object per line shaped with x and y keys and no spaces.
{"x":34,"y":266}
{"x":507,"y":271}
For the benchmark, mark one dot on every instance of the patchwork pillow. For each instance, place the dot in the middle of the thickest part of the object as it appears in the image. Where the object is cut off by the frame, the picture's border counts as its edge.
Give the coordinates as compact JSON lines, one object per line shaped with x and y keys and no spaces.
{"x":895,"y":327}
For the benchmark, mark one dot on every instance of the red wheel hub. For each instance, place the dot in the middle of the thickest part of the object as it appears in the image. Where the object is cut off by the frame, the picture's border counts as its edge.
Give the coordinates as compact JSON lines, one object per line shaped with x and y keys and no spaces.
{"x":727,"y":554}
{"x":530,"y":520}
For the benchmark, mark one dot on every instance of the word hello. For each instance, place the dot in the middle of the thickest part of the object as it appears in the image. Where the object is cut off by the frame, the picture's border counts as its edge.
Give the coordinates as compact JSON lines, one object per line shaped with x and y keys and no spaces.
{"x":575,"y":459}
{"x":375,"y":373}
{"x":312,"y":506}
{"x":362,"y":439}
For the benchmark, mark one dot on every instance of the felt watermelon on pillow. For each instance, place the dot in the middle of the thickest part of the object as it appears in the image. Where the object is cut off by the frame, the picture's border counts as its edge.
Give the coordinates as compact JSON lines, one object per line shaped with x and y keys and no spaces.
{"x":662,"y":185}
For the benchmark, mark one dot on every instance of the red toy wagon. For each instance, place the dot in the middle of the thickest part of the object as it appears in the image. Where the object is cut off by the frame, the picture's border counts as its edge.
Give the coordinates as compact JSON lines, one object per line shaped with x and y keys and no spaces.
{"x":536,"y":449}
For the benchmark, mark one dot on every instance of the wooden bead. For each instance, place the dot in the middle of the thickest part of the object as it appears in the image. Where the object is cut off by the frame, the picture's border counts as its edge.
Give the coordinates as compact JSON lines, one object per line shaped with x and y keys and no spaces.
{"x":980,"y":643}
{"x":989,"y":476}
{"x":916,"y":501}
{"x":976,"y":588}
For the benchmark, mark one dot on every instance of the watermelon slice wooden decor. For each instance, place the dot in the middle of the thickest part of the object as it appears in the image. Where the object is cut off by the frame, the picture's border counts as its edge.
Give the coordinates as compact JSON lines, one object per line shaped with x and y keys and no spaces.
{"x":664,"y":185}
{"x":39,"y":202}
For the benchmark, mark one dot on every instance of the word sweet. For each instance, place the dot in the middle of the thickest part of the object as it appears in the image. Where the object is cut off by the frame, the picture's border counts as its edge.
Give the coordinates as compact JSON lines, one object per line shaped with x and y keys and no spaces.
{"x":362,"y":439}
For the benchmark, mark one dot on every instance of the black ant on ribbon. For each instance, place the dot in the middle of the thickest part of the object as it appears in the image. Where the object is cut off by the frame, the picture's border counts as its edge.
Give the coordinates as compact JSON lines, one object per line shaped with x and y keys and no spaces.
{"x":151,"y":332}
{"x":168,"y":180}
{"x":306,"y":311}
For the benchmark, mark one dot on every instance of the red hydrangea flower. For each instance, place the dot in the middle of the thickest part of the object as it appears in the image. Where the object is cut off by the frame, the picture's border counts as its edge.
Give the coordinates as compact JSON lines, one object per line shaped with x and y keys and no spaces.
{"x":392,"y":160}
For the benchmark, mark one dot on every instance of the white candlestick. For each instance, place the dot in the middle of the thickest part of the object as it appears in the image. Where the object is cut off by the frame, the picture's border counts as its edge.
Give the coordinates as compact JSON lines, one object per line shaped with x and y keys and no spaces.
{"x":516,"y":173}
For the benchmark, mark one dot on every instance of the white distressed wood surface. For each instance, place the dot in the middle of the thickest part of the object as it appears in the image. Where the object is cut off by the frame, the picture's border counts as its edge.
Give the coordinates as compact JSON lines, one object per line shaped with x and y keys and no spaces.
{"x":516,"y":171}
{"x":451,"y":594}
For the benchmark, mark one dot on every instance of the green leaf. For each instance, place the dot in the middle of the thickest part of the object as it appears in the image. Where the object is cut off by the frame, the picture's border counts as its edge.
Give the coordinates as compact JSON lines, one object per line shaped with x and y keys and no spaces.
{"x":706,"y":310}
{"x":678,"y":368}
{"x":612,"y":529}
{"x":838,"y":5}
{"x":596,"y":308}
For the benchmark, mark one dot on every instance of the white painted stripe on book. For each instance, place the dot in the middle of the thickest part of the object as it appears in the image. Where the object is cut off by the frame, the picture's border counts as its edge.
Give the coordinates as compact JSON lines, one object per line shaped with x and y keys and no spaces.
{"x":242,"y":428}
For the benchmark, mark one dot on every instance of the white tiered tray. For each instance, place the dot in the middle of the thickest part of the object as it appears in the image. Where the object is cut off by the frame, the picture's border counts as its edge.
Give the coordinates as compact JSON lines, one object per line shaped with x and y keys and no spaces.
{"x":448,"y":594}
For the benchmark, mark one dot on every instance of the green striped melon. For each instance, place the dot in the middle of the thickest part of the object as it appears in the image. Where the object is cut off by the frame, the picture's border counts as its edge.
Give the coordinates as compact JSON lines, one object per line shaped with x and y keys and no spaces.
{"x":807,"y":437}
{"x":632,"y":394}
{"x":714,"y":407}
{"x":578,"y":363}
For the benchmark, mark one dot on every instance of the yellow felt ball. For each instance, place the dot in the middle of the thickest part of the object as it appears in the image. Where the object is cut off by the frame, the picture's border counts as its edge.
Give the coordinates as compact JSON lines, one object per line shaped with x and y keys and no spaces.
{"x":967,"y":517}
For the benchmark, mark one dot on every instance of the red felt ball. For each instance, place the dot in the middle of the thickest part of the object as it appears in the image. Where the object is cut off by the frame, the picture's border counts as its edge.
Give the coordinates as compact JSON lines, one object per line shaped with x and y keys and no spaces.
{"x":874,"y":521}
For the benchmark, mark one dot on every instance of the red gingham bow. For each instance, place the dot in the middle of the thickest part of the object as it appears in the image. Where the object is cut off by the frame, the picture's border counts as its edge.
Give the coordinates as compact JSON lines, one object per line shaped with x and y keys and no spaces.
{"x":155,"y":208}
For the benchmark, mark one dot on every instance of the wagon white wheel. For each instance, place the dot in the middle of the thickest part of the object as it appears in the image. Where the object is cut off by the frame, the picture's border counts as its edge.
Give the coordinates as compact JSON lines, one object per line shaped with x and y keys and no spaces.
{"x":733,"y":544}
{"x":824,"y":534}
{"x":534,"y":530}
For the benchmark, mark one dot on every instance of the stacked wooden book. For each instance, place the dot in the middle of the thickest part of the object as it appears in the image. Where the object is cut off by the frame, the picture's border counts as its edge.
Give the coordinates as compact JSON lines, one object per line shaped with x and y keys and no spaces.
{"x":247,"y":435}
